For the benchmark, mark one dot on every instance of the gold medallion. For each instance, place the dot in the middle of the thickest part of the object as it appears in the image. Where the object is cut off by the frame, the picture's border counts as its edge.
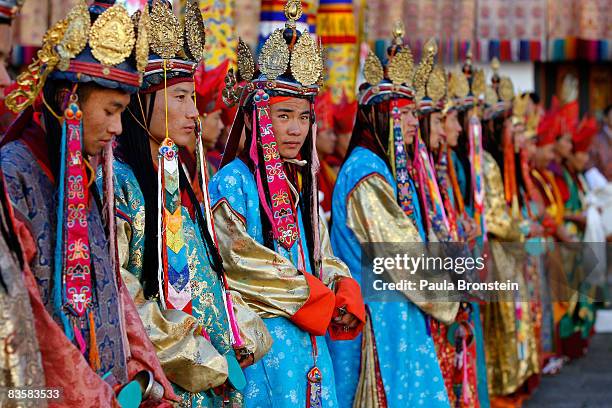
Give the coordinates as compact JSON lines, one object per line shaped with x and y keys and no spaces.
{"x":164,"y":31}
{"x":111,"y":37}
{"x":373,"y":69}
{"x":274,"y":57}
{"x":436,"y":85}
{"x":506,"y":89}
{"x":306,"y":62}
{"x":400,"y":69}
{"x":246,"y":65}
{"x":195,"y":32}
{"x":76,"y":35}
{"x":142,"y":42}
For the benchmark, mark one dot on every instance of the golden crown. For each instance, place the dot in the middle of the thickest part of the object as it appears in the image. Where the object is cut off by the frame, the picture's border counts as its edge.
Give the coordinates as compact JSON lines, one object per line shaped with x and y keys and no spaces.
{"x":169,"y":40}
{"x":396,"y":77}
{"x":430,"y":80}
{"x":111,"y":38}
{"x":302,"y":60}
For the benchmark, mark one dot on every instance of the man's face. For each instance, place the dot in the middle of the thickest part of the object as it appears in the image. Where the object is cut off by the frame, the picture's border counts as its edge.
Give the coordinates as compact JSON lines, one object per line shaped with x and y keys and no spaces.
{"x":580,"y":160}
{"x":212,"y":125}
{"x":326,"y":142}
{"x":5,"y":51}
{"x":102,"y":110}
{"x":563,"y":146}
{"x":182,"y":115}
{"x":544,"y":155}
{"x":437,"y":133}
{"x":342,"y":144}
{"x":291,"y":123}
{"x":410,"y":123}
{"x":452,"y":128}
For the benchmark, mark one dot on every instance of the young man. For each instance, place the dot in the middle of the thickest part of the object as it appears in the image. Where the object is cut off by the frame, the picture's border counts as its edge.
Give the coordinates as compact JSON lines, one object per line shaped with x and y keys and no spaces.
{"x":273,"y":243}
{"x":90,"y":336}
{"x":376,"y":200}
{"x":167,"y":244}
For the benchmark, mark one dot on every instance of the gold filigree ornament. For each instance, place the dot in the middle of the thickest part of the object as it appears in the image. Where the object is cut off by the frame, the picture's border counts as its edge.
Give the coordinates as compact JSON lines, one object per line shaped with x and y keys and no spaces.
{"x":373,"y":69}
{"x":519,"y":108}
{"x":398,"y":33}
{"x":31,"y":81}
{"x":231,"y":93}
{"x":76,"y":35}
{"x":306,"y":61}
{"x":293,"y":12}
{"x":111,"y":37}
{"x":164,"y":31}
{"x":436,"y":85}
{"x":479,"y":83}
{"x":274,"y":57}
{"x":421,"y":74}
{"x":401,"y":67}
{"x":195,"y":32}
{"x":142,"y":42}
{"x":506,"y":89}
{"x":246,"y":64}
{"x":458,"y":85}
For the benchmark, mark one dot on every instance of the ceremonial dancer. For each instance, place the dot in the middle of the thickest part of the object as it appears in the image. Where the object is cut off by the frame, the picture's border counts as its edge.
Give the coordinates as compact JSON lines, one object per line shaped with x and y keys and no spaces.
{"x":167,"y":244}
{"x":274,"y":245}
{"x":91,"y":339}
{"x":375,"y":200}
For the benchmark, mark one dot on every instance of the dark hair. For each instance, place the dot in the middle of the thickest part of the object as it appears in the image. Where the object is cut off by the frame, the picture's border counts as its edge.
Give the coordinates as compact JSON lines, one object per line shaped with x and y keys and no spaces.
{"x":492,"y":132}
{"x":463,"y":152}
{"x":607,"y":109}
{"x":134,"y":150}
{"x":425,"y":127}
{"x":373,"y":135}
{"x":535,"y":98}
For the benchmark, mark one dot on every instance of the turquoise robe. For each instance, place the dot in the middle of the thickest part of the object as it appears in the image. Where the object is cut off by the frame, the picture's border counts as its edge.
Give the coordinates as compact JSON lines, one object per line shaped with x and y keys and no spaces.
{"x":279,"y":379}
{"x":408,"y":363}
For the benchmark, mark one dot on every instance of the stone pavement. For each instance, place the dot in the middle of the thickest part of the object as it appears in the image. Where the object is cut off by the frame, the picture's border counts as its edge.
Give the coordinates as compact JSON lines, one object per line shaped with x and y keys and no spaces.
{"x":583,"y":383}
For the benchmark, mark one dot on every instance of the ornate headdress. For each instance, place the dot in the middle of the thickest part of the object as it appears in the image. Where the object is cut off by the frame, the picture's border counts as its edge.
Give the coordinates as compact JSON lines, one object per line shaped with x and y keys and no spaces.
{"x":499,"y":96}
{"x":519,"y":109}
{"x":393,"y":80}
{"x":174,"y":51}
{"x":430,"y":81}
{"x":290,"y":63}
{"x":467,"y":86}
{"x":97,"y":44}
{"x":91,"y":45}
